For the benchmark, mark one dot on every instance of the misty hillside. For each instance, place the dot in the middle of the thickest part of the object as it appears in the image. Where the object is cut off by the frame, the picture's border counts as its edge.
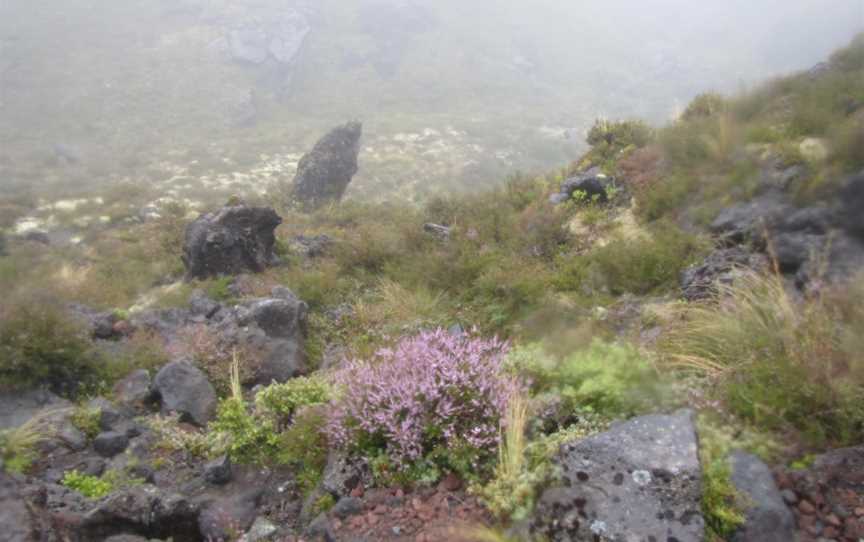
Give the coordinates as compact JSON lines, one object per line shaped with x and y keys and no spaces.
{"x":416,"y":272}
{"x":454,"y":95}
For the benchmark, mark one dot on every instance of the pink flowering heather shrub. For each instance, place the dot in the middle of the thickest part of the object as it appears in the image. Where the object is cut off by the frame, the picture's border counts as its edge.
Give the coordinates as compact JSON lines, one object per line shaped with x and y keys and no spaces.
{"x":432,"y":392}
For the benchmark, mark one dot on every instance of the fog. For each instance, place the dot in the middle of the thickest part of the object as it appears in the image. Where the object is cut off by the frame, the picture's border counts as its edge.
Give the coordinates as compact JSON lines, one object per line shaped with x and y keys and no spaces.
{"x":453,"y":94}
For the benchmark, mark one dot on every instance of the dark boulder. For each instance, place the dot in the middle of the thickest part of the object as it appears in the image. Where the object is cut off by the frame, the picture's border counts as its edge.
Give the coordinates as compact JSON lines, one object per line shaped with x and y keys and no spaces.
{"x":201,"y":305}
{"x":767,"y":518}
{"x":232,"y":240}
{"x":273,"y":330}
{"x":641,"y":480}
{"x":324,"y":173}
{"x":442,"y":233}
{"x":269,"y":332}
{"x":183,"y":388}
{"x":110,"y":443}
{"x":218,"y":471}
{"x":748,"y":222}
{"x":592,"y":187}
{"x":851,"y":214}
{"x":143,"y":510}
{"x":720,"y":267}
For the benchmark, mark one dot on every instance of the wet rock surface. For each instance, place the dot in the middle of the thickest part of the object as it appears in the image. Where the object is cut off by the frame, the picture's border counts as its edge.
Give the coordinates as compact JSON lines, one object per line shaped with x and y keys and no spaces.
{"x":183,"y":389}
{"x":639,"y":480}
{"x":325,"y":172}
{"x":232,"y":240}
{"x":767,"y":518}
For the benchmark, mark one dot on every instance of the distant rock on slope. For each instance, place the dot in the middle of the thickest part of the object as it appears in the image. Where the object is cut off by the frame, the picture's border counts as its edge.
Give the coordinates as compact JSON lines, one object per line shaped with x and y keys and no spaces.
{"x":324,"y":173}
{"x":229,"y":241}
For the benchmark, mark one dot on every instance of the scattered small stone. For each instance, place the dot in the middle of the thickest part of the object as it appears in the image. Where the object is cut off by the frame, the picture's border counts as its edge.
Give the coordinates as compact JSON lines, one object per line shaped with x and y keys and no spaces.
{"x":347,"y":506}
{"x":789,"y":497}
{"x":451,"y":482}
{"x":261,"y":529}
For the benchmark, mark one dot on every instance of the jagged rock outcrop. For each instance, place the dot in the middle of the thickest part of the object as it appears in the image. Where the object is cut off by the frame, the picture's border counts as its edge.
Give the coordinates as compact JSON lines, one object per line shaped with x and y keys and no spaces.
{"x":811,"y":245}
{"x":325,"y":172}
{"x":144,"y":510}
{"x":183,"y":388}
{"x":720,"y":267}
{"x":232,"y":240}
{"x":278,"y":37}
{"x":269,"y":332}
{"x":641,"y":480}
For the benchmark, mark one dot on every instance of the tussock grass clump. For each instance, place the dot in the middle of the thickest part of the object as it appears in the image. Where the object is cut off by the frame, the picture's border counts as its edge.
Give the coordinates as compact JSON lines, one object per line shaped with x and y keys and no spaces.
{"x":780,"y":363}
{"x":18,"y":446}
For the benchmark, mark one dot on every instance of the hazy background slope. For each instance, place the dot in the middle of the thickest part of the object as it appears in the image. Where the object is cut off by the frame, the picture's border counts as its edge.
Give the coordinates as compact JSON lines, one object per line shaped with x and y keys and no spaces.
{"x":453,"y":94}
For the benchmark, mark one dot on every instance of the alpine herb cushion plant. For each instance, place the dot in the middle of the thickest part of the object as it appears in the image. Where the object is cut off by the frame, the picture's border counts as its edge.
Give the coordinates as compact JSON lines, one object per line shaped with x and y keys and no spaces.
{"x":433,"y":395}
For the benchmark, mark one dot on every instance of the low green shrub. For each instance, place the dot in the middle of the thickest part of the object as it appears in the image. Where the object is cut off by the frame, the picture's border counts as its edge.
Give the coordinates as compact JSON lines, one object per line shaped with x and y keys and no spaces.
{"x":247,"y":439}
{"x":42,"y":344}
{"x":278,"y":402}
{"x":96,"y":487}
{"x":18,"y":447}
{"x":303,"y":445}
{"x":91,"y":487}
{"x":639,"y":265}
{"x":611,"y":379}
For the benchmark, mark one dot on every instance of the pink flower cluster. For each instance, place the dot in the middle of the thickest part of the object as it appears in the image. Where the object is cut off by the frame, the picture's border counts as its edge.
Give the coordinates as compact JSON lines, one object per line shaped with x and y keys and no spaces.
{"x":433,"y":389}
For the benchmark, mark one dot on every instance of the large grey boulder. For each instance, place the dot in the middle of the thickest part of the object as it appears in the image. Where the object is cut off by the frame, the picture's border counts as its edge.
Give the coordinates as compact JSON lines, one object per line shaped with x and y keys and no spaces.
{"x":641,"y":480}
{"x":324,"y":173}
{"x":232,"y":240}
{"x":17,"y":521}
{"x":272,"y":330}
{"x":182,"y":388}
{"x":767,"y":518}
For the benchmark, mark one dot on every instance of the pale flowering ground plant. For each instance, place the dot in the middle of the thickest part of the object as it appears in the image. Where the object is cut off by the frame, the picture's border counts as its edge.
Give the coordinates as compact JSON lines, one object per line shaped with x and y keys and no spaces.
{"x":430,"y":391}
